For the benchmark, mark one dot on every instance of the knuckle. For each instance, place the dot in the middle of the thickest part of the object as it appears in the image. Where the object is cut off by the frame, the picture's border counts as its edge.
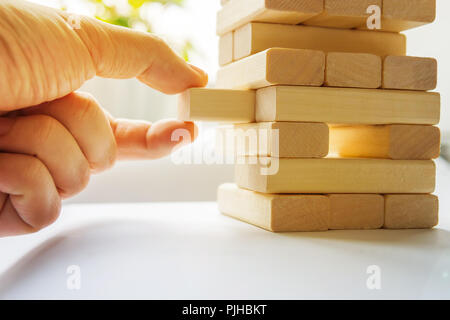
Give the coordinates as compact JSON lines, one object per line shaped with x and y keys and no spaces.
{"x":88,"y":109}
{"x":86,"y":105}
{"x":106,"y":159}
{"x":79,"y":181}
{"x":49,"y":216}
{"x":51,"y":204}
{"x":45,"y":127}
{"x":34,"y":169}
{"x":84,"y":174}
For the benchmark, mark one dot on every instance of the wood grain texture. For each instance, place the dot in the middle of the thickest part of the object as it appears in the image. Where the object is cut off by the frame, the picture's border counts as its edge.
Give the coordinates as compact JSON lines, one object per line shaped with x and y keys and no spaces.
{"x":346,"y":105}
{"x":356,"y":211}
{"x":400,"y":15}
{"x":272,"y":67}
{"x":343,"y":13}
{"x":411,"y":211}
{"x":277,"y":213}
{"x":202,"y":104}
{"x":409,"y":73}
{"x":256,"y":37}
{"x":400,"y":142}
{"x":353,"y":70}
{"x":276,"y":139}
{"x":236,"y":13}
{"x":335,"y":175}
{"x":226,"y":49}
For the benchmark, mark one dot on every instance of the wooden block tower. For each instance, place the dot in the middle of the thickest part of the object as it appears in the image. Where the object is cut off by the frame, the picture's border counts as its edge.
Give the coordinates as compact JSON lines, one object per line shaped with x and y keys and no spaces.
{"x":334,"y":127}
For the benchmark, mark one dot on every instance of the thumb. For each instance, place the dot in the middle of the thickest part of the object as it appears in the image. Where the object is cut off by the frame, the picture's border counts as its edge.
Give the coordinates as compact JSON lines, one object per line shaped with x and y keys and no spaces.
{"x":119,"y":52}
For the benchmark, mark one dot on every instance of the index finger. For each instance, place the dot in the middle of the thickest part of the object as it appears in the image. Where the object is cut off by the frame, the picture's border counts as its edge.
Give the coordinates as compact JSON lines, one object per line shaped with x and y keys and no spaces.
{"x":119,"y":52}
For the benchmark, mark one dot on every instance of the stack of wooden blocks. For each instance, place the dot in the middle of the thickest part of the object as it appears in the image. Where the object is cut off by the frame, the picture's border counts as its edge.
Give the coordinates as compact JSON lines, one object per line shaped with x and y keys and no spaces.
{"x":350,"y":126}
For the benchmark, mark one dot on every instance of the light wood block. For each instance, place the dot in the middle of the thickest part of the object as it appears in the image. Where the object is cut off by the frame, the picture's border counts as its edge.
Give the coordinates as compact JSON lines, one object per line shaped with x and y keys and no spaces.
{"x":346,"y":105}
{"x":236,"y":13}
{"x":400,"y":142}
{"x":356,"y":211}
{"x":276,"y":139}
{"x":257,"y":37}
{"x":277,"y":213}
{"x":344,"y":13}
{"x":411,"y":211}
{"x":273,"y":175}
{"x":272,"y":67}
{"x":226,"y":49}
{"x":409,"y":73}
{"x":353,"y":70}
{"x":400,"y":15}
{"x":233,"y":106}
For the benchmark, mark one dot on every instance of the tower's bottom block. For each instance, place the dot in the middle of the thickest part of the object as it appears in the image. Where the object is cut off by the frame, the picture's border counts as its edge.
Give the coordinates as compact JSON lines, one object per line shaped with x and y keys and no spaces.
{"x":306,"y":212}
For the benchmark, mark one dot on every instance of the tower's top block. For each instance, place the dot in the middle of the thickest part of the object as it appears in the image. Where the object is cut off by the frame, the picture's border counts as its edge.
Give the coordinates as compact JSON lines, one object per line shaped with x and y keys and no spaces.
{"x":393,"y":15}
{"x":236,"y":13}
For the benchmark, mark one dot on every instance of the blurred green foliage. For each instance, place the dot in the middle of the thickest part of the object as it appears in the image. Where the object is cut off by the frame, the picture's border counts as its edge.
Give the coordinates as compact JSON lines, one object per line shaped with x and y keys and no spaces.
{"x":132,"y":18}
{"x":108,"y":12}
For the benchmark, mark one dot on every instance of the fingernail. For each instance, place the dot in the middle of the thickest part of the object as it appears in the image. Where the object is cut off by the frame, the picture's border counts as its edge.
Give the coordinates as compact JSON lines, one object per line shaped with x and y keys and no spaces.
{"x":192,"y":128}
{"x":6,"y":125}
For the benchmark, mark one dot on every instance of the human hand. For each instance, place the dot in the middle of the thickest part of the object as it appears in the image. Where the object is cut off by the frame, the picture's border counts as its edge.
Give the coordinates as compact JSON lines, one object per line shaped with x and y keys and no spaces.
{"x":52,"y":137}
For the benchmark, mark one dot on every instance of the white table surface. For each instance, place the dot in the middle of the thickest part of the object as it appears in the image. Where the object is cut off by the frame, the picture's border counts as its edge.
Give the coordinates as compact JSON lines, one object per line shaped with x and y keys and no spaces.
{"x":191,"y":251}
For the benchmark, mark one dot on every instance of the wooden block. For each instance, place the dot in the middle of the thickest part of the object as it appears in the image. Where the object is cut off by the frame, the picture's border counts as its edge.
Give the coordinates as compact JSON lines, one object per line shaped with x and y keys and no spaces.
{"x":344,"y":13}
{"x":400,"y":15}
{"x":226,"y":49}
{"x":222,"y":2}
{"x":202,"y":104}
{"x":277,"y":213}
{"x":273,"y":175}
{"x":257,"y":37}
{"x":346,"y":105}
{"x":236,"y":13}
{"x":401,"y":142}
{"x":411,"y":211}
{"x":277,"y":139}
{"x":353,"y":70}
{"x":356,"y":211}
{"x":409,"y":73}
{"x":274,"y":66}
